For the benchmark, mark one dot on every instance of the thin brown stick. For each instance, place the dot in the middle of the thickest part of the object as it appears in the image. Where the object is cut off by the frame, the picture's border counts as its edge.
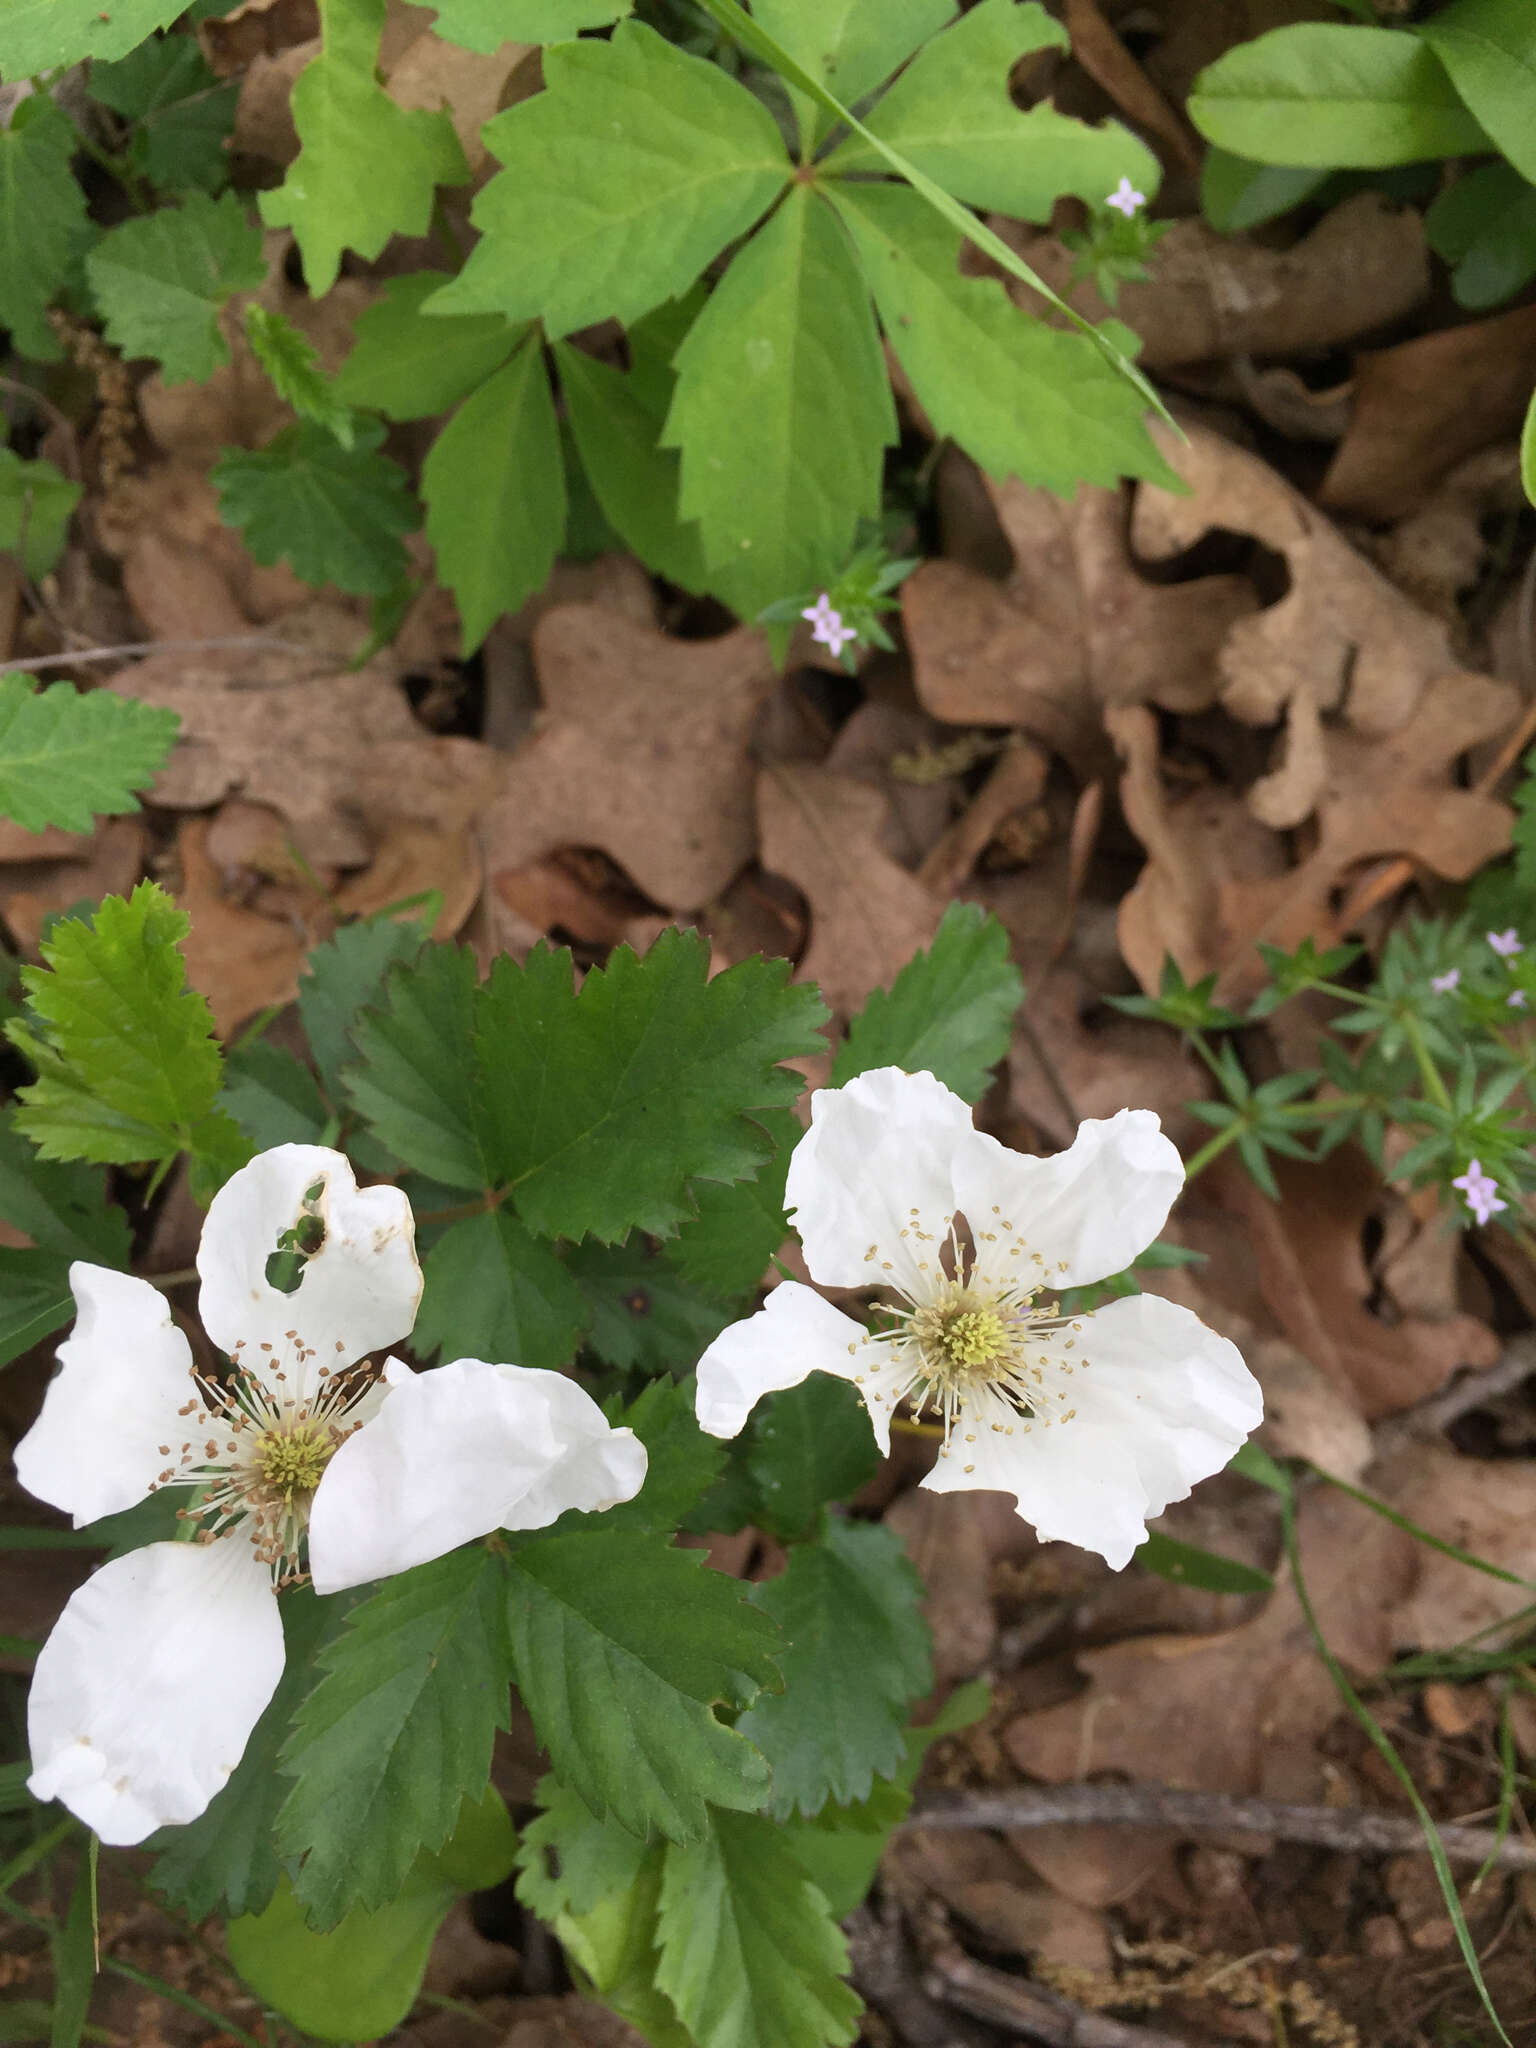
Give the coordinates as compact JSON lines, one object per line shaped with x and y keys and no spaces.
{"x":1038,"y":2015}
{"x":38,"y":663}
{"x":1205,"y":1813}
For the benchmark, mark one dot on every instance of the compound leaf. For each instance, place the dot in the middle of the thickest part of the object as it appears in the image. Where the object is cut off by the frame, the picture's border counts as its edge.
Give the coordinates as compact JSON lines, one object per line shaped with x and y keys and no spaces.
{"x":484,"y":25}
{"x":43,"y":221}
{"x":949,"y":1011}
{"x":494,"y":1292}
{"x":366,"y":168}
{"x":398,"y":1733}
{"x":494,"y":486}
{"x":37,"y":502}
{"x":624,"y":1646}
{"x":783,"y":407}
{"x":335,"y":514}
{"x":66,"y":758}
{"x":851,"y":45}
{"x":161,"y":279}
{"x":634,"y":166}
{"x":410,"y":365}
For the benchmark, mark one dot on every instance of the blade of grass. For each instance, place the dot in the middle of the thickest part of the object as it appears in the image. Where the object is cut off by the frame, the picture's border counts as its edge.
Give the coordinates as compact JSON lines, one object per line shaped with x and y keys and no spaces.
{"x":1451,"y":1550}
{"x":74,"y":1960}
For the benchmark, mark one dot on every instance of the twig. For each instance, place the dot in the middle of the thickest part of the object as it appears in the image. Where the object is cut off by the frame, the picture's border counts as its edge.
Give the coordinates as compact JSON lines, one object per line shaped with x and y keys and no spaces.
{"x":1161,"y":1806}
{"x":1037,"y":2014}
{"x":1430,"y":1417}
{"x":37,"y":663}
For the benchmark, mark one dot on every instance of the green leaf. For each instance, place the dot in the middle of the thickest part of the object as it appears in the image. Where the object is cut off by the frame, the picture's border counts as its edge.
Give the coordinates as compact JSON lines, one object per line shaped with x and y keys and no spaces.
{"x":624,"y":177}
{"x":1328,"y":94}
{"x":74,"y":1958}
{"x":809,"y":1445}
{"x":494,"y":486}
{"x":783,"y":407}
{"x":182,"y":115}
{"x":272,"y":1096}
{"x":750,"y":1954}
{"x":604,"y":1105}
{"x":64,"y":1209}
{"x":494,"y":1292}
{"x":162,"y":278}
{"x":366,"y":168}
{"x":226,"y":1860}
{"x":35,"y":1299}
{"x":417,"y":1087}
{"x":568,"y":1860}
{"x":292,"y":364}
{"x":949,"y":1011}
{"x":335,"y":514}
{"x":613,"y":1947}
{"x":411,"y":366}
{"x":1188,"y":1565}
{"x":1021,"y":398}
{"x":725,"y":1250}
{"x":128,"y":1063}
{"x":1485,"y":224}
{"x":1237,"y":194}
{"x":397,"y":1733}
{"x":683,"y":1463}
{"x":1528,"y":452}
{"x":343,"y":975}
{"x":856,"y":1651}
{"x":67,"y":759}
{"x":624,"y":1646}
{"x":1489,"y":49}
{"x":951,"y":114}
{"x":43,"y":222}
{"x":484,"y":25}
{"x":42,"y":35}
{"x":361,"y":1978}
{"x":854,"y":45}
{"x":642,"y":1312}
{"x":36,"y":504}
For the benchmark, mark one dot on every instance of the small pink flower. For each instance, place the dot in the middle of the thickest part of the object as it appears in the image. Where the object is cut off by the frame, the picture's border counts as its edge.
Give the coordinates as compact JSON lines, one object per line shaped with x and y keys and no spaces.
{"x":1442,"y":984}
{"x":1506,"y":944}
{"x":827,"y":627}
{"x":1126,"y":199}
{"x":1479,"y":1189}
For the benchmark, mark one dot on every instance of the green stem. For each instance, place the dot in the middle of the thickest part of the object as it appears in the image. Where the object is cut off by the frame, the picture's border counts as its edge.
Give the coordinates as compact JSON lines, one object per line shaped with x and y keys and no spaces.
{"x":1429,"y":1073}
{"x":1212,"y":1149}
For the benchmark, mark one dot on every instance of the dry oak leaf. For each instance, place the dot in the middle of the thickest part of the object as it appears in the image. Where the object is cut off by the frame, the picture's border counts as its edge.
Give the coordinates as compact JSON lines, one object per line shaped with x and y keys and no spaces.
{"x":259,"y":28}
{"x":824,"y":833}
{"x":1341,"y":635}
{"x":1483,"y":1505}
{"x":1074,"y":626}
{"x":1311,"y":1265}
{"x":412,"y":859}
{"x":642,"y":750}
{"x":106,"y":862}
{"x":241,"y":961}
{"x":1362,"y":266}
{"x":468,"y":85}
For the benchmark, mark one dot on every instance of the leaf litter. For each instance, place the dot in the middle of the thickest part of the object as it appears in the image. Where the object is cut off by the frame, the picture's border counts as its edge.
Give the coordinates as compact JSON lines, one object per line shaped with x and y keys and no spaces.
{"x":1135,"y":725}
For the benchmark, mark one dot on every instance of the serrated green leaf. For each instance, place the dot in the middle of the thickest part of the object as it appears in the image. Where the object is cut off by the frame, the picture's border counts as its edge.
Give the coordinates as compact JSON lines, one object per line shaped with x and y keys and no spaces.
{"x":613,"y":1947}
{"x":366,"y":169}
{"x":63,"y":1208}
{"x":67,"y":759}
{"x":603,"y":1106}
{"x":1021,"y":398}
{"x":624,"y":1646}
{"x":416,"y":1085}
{"x":37,"y":502}
{"x":1327,"y":94}
{"x":129,"y":1066}
{"x":494,"y":486}
{"x":182,"y":115}
{"x":43,"y":222}
{"x":1489,"y":49}
{"x":339,"y":978}
{"x":856,"y":1652}
{"x":412,"y":366}
{"x":42,"y":35}
{"x":950,"y":113}
{"x":624,"y":177}
{"x":161,"y":280}
{"x":397,"y":1733}
{"x":494,"y":1292}
{"x":725,"y":1249}
{"x":683,"y":1463}
{"x":226,"y":1860}
{"x":568,"y":1860}
{"x":484,"y":25}
{"x":272,"y":1096}
{"x":335,"y":514}
{"x":292,"y":364}
{"x":783,"y":407}
{"x":808,"y":1445}
{"x":642,"y":1313}
{"x":749,"y":1952}
{"x":853,"y":45}
{"x":949,"y":1011}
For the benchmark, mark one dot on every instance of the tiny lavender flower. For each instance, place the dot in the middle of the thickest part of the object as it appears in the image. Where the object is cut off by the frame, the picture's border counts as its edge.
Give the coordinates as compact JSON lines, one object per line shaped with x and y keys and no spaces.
{"x":1516,"y":1001}
{"x":1442,"y":984}
{"x":1506,"y":944}
{"x":1479,"y":1189}
{"x":827,"y":627}
{"x":1126,"y":199}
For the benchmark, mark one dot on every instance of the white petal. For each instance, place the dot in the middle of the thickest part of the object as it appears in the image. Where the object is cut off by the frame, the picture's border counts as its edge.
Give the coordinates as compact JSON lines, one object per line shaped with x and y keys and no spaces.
{"x":455,"y":1453}
{"x":793,"y":1335}
{"x":1087,"y":1211}
{"x":110,"y":1410}
{"x":358,"y":1293}
{"x":1165,"y":1402}
{"x":877,"y":1150}
{"x":146,"y":1693}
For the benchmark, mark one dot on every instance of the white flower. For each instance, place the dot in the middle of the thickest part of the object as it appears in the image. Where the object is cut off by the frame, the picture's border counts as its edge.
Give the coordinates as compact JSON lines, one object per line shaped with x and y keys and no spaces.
{"x":159,"y":1667}
{"x":1092,"y":1422}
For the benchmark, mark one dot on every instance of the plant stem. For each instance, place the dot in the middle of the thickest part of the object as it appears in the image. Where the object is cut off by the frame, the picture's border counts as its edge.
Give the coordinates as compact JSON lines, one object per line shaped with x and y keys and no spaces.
{"x":1213,"y":1149}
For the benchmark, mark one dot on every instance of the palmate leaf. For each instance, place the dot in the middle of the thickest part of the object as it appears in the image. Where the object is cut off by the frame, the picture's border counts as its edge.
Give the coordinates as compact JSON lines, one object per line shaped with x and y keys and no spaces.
{"x":397,"y":1733}
{"x":37,"y":502}
{"x":484,"y":25}
{"x":624,"y":1646}
{"x":624,"y":177}
{"x":366,"y":168}
{"x":41,"y":35}
{"x":853,"y":45}
{"x":410,"y":365}
{"x":783,"y":407}
{"x":494,"y":1292}
{"x":67,"y":759}
{"x":949,"y":1011}
{"x":1022,"y":399}
{"x":334,"y":514}
{"x":162,"y":278}
{"x":856,"y":1653}
{"x":181,"y":113}
{"x":43,"y":222}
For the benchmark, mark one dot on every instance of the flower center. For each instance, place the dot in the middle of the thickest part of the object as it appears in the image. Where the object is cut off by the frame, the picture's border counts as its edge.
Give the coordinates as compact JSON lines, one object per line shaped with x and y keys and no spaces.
{"x":970,"y":1337}
{"x":292,"y":1458}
